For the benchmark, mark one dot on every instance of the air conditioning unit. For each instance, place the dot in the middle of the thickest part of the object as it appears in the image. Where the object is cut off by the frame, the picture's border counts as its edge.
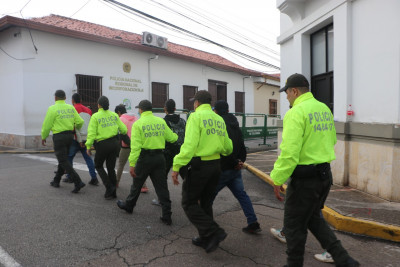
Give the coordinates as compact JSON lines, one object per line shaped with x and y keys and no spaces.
{"x":154,"y":40}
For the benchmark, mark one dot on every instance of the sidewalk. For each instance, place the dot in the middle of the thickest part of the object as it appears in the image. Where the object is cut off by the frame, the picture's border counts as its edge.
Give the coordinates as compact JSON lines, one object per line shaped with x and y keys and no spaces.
{"x":346,"y":209}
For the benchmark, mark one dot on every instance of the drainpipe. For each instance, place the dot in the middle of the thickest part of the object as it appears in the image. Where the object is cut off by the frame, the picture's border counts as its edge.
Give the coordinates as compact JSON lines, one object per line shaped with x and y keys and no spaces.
{"x":148,"y":66}
{"x":243,"y":80}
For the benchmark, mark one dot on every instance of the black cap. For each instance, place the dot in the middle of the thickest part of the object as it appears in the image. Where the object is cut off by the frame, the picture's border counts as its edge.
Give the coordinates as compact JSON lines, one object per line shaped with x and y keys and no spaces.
{"x":145,"y":105}
{"x":60,"y":94}
{"x":103,"y":102}
{"x":203,"y":96}
{"x":221,"y":106}
{"x":295,"y":80}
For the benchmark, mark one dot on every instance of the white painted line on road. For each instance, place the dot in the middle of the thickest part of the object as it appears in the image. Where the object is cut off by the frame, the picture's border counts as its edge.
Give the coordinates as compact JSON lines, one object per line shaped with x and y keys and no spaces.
{"x":77,"y":165}
{"x":7,"y":260}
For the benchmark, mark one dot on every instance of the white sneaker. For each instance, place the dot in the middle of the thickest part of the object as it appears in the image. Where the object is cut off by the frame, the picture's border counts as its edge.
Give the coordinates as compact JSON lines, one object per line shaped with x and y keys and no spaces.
{"x":277,"y":234}
{"x":155,"y":202}
{"x":324,"y":257}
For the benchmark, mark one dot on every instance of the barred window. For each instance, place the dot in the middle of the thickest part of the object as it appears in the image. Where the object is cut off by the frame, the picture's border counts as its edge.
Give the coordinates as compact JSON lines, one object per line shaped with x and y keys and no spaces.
{"x":90,"y":89}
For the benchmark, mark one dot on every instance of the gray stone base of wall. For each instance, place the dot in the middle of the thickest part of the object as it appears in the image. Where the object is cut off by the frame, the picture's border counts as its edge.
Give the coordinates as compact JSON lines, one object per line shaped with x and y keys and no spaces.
{"x":24,"y":142}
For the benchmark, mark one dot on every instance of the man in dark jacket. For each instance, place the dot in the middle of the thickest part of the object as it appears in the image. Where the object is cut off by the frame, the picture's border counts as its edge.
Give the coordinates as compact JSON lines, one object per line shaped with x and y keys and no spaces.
{"x":231,"y":166}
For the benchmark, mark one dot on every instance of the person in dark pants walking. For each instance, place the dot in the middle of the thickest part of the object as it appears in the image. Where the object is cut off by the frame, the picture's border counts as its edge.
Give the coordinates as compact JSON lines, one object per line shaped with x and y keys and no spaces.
{"x":206,"y":139}
{"x":307,"y":148}
{"x":149,"y":135}
{"x":231,"y":166}
{"x":61,"y":119}
{"x":104,"y":127}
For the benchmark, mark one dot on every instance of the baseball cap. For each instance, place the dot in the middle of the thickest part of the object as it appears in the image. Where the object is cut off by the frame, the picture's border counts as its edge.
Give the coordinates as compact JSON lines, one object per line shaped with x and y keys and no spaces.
{"x":145,"y":105}
{"x":295,"y":80}
{"x":202,"y":96}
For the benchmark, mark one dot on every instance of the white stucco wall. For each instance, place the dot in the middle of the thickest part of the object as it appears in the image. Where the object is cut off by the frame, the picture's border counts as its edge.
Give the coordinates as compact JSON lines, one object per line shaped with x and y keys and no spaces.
{"x":366,"y":55}
{"x":11,"y":83}
{"x":60,"y":58}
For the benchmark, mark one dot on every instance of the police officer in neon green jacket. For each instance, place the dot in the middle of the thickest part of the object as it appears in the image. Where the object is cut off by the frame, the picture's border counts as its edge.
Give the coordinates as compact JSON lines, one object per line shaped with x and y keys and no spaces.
{"x":148,"y":138}
{"x":206,"y":139}
{"x":61,"y":118}
{"x":103,"y":127}
{"x":307,"y":148}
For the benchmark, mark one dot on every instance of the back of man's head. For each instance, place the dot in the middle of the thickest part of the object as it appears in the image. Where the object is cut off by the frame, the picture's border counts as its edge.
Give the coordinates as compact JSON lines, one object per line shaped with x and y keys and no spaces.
{"x":60,"y":94}
{"x":120,"y":108}
{"x":203,"y":97}
{"x":76,"y":97}
{"x":170,"y":106}
{"x":221,"y":107}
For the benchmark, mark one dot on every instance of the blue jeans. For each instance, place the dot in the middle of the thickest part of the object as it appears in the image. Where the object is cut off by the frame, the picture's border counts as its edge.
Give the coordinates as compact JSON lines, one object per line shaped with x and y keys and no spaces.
{"x":73,"y":149}
{"x":233,"y":180}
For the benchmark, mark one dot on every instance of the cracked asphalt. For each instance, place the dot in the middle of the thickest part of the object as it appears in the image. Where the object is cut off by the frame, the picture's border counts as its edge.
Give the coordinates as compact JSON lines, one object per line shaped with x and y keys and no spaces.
{"x":45,"y":226}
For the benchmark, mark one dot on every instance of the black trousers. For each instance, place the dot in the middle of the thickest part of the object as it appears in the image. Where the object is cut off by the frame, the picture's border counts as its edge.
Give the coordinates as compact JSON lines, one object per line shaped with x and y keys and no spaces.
{"x":169,"y":160}
{"x":151,"y":164}
{"x":107,"y":151}
{"x":198,"y":191}
{"x":305,"y":197}
{"x":62,"y":142}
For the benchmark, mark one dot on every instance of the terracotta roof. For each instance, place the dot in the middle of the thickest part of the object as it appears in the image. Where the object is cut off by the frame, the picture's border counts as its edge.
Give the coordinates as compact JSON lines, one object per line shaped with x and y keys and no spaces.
{"x":89,"y":31}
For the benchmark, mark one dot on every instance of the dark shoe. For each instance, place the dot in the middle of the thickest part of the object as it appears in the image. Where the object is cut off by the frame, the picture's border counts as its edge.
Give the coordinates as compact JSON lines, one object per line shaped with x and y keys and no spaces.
{"x":122,"y":205}
{"x":198,"y":241}
{"x":166,"y":221}
{"x":111,"y":196}
{"x":78,"y":187}
{"x":68,"y":180}
{"x":94,"y":181}
{"x":252,"y":228}
{"x":55,"y":184}
{"x":349,"y":263}
{"x":215,"y":239}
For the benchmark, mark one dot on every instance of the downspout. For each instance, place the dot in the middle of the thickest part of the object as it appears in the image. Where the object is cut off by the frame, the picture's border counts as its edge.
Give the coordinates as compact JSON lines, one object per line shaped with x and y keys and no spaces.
{"x":149,"y":73}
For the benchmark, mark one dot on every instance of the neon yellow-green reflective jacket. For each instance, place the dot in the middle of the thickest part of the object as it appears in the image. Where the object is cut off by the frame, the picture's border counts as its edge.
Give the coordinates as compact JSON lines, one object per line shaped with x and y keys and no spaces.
{"x":308,"y":137}
{"x":104,"y":124}
{"x":205,"y":137}
{"x":60,"y":117}
{"x":149,"y":132}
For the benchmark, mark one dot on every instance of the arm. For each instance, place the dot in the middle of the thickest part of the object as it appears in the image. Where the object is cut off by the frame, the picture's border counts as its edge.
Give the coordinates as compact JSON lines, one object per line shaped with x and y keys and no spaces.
{"x":121,"y":126}
{"x":136,"y":144}
{"x":47,"y":124}
{"x":92,"y":132}
{"x":170,"y":136}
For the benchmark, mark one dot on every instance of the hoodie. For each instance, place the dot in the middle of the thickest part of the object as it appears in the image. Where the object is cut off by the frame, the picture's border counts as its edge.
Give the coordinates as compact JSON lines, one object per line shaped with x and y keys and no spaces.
{"x":128,"y":120}
{"x":239,"y":149}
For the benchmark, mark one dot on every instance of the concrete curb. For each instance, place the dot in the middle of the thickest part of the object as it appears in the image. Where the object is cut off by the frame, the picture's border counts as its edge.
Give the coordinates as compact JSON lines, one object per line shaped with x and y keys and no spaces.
{"x":344,"y":223}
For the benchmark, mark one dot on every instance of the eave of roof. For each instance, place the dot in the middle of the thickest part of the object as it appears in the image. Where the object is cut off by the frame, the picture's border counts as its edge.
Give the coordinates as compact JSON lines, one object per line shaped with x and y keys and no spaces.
{"x":97,"y":33}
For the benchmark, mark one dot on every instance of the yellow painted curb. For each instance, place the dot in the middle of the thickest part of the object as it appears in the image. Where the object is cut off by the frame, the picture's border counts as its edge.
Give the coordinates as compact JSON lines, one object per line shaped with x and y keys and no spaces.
{"x":344,"y":223}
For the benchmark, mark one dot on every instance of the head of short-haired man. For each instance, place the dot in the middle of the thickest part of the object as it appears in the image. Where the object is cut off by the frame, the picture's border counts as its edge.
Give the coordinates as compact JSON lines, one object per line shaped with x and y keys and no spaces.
{"x":170,"y":106}
{"x":59,"y":95}
{"x":103,"y":103}
{"x":76,"y":99}
{"x":221,"y":107}
{"x":144,"y":105}
{"x":120,"y":109}
{"x":295,"y":86}
{"x":200,"y":98}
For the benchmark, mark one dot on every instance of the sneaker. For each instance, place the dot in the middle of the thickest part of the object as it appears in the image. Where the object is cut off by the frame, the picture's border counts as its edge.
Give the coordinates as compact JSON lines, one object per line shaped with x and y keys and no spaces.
{"x":278,"y":235}
{"x":94,"y":181}
{"x":144,"y":189}
{"x":324,"y":257}
{"x":155,"y":202}
{"x":252,"y":228}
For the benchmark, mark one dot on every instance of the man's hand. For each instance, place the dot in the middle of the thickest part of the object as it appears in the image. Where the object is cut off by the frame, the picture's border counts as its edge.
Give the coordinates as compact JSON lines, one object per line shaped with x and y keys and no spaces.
{"x":132,"y":171}
{"x":277,"y":190}
{"x":239,"y":166}
{"x":82,"y":144}
{"x":43,"y":142}
{"x":89,"y":152}
{"x":175,"y":176}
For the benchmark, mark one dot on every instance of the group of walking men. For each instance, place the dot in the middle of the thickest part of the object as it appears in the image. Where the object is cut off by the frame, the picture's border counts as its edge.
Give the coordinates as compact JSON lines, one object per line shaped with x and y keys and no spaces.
{"x":208,"y":153}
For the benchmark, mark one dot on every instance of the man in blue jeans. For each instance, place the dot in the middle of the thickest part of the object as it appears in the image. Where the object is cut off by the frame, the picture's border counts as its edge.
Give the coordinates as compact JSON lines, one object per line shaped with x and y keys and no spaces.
{"x":78,"y":144}
{"x":231,"y":166}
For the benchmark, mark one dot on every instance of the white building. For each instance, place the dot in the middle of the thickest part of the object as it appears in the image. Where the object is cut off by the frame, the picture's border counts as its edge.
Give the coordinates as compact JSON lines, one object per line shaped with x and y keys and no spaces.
{"x":350,"y":52}
{"x":40,"y":55}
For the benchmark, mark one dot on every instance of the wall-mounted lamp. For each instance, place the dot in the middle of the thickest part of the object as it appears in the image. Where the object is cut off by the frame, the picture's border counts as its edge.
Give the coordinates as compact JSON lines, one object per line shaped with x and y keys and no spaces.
{"x":245,"y":77}
{"x":273,"y":92}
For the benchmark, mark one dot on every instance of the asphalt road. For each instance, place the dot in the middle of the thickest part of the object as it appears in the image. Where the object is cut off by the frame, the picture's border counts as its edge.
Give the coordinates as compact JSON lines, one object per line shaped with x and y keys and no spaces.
{"x":45,"y":226}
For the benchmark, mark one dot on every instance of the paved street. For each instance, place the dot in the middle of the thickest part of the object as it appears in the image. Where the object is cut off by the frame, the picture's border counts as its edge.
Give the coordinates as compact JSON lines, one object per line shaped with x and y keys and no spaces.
{"x":45,"y":226}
